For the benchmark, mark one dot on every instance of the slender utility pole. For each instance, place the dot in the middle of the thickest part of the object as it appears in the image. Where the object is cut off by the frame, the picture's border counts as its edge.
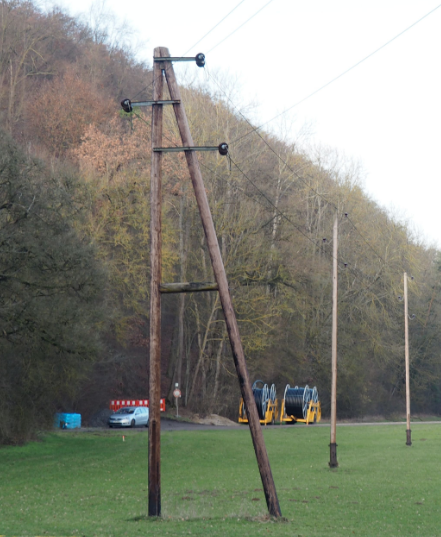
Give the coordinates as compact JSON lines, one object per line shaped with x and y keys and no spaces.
{"x":333,"y":445}
{"x":406,"y":357}
{"x":227,"y":306}
{"x":155,"y":296}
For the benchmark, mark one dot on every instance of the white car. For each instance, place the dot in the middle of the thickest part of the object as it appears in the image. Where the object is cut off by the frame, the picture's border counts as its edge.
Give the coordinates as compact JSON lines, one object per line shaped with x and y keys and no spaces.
{"x":130,"y":416}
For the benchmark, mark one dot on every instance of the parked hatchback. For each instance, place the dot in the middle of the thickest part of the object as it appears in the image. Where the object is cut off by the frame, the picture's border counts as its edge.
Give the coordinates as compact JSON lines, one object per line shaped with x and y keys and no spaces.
{"x":130,"y":416}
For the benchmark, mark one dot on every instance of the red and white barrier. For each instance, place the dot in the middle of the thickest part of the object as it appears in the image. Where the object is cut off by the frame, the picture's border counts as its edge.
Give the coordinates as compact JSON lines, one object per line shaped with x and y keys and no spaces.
{"x":120,"y":403}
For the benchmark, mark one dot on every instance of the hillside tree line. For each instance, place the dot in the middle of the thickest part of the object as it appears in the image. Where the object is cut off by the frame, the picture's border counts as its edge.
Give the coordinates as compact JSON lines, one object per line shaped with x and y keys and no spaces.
{"x":74,"y":247}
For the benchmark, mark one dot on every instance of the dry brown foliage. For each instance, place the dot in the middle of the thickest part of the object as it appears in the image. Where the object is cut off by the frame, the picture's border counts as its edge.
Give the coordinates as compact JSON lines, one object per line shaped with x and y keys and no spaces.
{"x":62,"y":110}
{"x":114,"y":150}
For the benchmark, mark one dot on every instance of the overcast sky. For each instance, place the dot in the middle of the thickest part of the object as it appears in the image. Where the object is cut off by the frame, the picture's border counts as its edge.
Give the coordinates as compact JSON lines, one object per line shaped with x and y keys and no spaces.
{"x":384,"y":113}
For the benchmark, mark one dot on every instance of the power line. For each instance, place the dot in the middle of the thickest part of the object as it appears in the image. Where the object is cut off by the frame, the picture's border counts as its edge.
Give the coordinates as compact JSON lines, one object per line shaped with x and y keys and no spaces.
{"x":272,"y":149}
{"x":317,"y":193}
{"x":239,"y":27}
{"x":163,"y":71}
{"x":277,"y":210}
{"x":148,"y":85}
{"x":280,"y":213}
{"x":214,"y":27}
{"x":341,"y":74}
{"x":295,"y":173}
{"x":264,"y":195}
{"x":256,"y":129}
{"x":332,"y":204}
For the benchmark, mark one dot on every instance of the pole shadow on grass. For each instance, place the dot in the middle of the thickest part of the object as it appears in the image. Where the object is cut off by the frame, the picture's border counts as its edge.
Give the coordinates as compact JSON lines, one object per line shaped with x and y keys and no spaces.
{"x":145,"y":517}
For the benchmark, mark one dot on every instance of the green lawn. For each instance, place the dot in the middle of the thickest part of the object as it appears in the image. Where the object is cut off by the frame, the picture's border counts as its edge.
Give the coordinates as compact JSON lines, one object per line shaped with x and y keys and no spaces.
{"x":73,"y":483}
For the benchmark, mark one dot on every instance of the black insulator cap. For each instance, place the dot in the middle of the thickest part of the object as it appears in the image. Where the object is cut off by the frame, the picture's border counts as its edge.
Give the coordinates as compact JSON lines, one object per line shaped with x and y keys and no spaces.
{"x":223,"y":148}
{"x":200,"y":59}
{"x":126,"y":105}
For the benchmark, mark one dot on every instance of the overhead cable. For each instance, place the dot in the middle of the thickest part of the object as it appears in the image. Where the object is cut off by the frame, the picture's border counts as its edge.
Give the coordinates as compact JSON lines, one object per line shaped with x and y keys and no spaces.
{"x":342,"y":74}
{"x":241,"y":26}
{"x":214,"y":27}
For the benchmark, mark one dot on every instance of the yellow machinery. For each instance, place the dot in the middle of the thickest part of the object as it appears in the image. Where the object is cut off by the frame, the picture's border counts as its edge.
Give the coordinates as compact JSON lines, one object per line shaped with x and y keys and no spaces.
{"x":266,"y":402}
{"x":300,"y":404}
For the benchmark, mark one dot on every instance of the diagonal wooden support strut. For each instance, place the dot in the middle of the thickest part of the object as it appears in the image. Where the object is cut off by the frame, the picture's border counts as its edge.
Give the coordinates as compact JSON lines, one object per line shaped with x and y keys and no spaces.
{"x":221,"y":279}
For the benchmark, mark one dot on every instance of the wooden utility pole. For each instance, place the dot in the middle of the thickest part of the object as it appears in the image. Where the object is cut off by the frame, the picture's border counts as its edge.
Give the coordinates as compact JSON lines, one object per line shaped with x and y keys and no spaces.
{"x":221,"y":280}
{"x":333,"y":445}
{"x":406,"y":358}
{"x":154,"y":500}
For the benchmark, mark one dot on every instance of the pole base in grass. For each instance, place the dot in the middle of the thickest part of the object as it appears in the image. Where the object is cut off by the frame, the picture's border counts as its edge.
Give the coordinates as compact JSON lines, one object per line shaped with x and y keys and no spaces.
{"x":333,"y":460}
{"x":408,"y":437}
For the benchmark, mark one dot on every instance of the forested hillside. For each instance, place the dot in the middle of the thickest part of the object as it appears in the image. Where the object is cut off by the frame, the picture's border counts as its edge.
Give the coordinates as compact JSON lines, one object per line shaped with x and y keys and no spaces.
{"x":74,"y":286}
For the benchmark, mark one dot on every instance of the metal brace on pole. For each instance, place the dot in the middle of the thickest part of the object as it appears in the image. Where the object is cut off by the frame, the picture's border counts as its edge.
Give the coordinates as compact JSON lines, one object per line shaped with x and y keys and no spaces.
{"x":127,"y":105}
{"x":222,"y":148}
{"x":199,"y":59}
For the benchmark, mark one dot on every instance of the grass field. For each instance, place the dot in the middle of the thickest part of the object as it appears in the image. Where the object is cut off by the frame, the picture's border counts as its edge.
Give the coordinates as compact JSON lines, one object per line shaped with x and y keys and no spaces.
{"x":73,"y":483}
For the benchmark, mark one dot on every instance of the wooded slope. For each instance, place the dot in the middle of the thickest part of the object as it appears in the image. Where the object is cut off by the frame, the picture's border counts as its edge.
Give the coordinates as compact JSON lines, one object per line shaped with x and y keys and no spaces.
{"x":273,"y":206}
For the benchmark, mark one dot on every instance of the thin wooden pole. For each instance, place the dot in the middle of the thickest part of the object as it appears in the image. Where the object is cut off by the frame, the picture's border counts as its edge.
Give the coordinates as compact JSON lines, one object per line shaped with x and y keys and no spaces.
{"x":227,"y":306}
{"x":154,"y":494}
{"x":333,"y":445}
{"x":406,"y":357}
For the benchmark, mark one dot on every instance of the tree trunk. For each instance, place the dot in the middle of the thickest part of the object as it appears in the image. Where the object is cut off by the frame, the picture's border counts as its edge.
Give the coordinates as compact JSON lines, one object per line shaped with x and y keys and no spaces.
{"x":218,"y":363}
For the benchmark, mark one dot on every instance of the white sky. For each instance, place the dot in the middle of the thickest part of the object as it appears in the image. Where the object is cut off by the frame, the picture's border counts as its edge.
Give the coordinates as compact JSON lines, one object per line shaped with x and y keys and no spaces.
{"x":385,"y":113}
